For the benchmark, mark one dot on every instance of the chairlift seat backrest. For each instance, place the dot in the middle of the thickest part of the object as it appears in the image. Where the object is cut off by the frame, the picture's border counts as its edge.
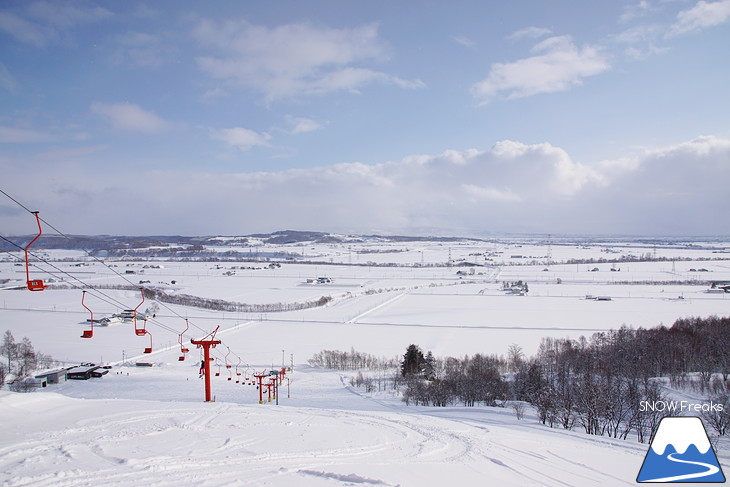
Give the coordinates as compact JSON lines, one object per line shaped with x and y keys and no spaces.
{"x":36,"y":285}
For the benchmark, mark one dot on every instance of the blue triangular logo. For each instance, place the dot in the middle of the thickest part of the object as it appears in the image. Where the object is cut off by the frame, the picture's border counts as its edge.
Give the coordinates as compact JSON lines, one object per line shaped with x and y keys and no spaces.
{"x":681,"y":452}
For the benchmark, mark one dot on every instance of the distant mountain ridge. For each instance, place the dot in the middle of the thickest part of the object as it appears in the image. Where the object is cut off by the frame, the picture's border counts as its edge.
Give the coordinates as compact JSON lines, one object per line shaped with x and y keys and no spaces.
{"x":282,"y":237}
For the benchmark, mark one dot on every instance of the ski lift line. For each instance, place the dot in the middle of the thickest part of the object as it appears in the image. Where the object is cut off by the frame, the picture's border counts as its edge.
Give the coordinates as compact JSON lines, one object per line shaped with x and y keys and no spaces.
{"x":17,"y":202}
{"x":33,"y":284}
{"x":110,"y":300}
{"x":87,"y":333}
{"x":88,"y":254}
{"x":89,"y":288}
{"x":98,"y":294}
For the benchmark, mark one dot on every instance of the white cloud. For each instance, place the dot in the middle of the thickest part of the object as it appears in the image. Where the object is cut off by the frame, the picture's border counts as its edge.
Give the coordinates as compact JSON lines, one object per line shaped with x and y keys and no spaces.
{"x":702,"y":16}
{"x":131,"y":117}
{"x":464,"y":41}
{"x":145,"y":50}
{"x":51,"y":20}
{"x":295,"y":59}
{"x":529,"y":33}
{"x":558,"y":65}
{"x":490,"y":194}
{"x":300,"y":125}
{"x":24,"y":31}
{"x":513,"y":187}
{"x":7,"y":80}
{"x":67,"y":15}
{"x":213,"y":94}
{"x":241,"y":138}
{"x":636,"y":10}
{"x":15,"y":135}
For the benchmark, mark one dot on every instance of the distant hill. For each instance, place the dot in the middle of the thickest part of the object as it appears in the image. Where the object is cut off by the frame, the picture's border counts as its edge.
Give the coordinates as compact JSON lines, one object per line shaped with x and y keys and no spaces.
{"x":115,"y":243}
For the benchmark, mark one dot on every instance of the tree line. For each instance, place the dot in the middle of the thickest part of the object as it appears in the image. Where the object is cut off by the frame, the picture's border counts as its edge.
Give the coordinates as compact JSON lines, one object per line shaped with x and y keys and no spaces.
{"x":603,"y":384}
{"x":21,"y":359}
{"x":352,"y":360}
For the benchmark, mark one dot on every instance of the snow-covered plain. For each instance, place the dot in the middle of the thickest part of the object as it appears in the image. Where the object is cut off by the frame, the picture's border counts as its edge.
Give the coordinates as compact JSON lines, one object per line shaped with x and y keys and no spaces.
{"x":149,"y":425}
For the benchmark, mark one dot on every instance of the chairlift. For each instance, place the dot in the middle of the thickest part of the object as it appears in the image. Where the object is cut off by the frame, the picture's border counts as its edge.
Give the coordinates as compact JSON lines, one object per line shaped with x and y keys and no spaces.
{"x":90,"y":332}
{"x":142,"y":331}
{"x":183,"y":350}
{"x":149,"y":349}
{"x":228,"y":366}
{"x":139,"y":331}
{"x":35,"y":284}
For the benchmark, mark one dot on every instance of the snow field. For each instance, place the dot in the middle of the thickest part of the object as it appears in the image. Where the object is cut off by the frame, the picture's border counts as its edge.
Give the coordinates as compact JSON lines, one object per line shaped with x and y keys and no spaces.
{"x":326,"y":434}
{"x":149,"y":426}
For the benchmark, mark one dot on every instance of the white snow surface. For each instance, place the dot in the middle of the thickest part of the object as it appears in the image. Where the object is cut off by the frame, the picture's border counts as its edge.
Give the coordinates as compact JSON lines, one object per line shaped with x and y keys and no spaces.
{"x":149,"y":426}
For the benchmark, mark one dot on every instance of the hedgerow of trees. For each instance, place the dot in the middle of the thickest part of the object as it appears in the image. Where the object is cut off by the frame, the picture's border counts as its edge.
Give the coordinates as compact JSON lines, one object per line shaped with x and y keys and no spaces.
{"x":21,"y":359}
{"x":599,"y":384}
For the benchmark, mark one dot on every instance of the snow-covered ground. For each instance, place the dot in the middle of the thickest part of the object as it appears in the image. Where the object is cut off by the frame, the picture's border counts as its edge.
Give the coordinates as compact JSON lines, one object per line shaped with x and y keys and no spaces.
{"x":149,"y":426}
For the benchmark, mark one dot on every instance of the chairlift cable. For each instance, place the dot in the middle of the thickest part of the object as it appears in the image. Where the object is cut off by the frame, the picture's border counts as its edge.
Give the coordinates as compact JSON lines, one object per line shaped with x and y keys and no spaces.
{"x":113,"y":300}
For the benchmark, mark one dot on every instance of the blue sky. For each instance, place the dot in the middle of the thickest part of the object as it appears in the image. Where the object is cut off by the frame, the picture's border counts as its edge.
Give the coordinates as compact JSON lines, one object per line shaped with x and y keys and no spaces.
{"x":428,"y":117}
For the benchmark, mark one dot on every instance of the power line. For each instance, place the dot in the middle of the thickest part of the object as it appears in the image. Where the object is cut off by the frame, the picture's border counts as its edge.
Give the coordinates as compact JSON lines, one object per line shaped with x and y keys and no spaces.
{"x":109,"y":299}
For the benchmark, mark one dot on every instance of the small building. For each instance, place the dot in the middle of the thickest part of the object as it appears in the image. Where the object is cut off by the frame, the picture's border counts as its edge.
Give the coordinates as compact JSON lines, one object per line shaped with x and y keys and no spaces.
{"x":83,"y":372}
{"x":29,"y":383}
{"x":54,"y":376}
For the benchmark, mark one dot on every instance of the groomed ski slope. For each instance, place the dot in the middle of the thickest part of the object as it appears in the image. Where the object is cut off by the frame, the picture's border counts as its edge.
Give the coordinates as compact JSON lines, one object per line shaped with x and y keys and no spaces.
{"x":325,"y":434}
{"x":149,"y":427}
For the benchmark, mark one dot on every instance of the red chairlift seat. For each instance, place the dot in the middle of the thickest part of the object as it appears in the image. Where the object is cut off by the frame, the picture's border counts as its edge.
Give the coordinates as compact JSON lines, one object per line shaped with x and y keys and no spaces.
{"x":148,"y":349}
{"x":140,"y":332}
{"x":34,"y":284}
{"x":183,"y":350}
{"x":90,"y":332}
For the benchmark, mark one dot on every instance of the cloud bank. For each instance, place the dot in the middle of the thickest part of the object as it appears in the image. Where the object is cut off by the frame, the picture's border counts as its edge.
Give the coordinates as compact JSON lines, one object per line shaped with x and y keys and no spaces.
{"x":512,"y":187}
{"x":557,"y":64}
{"x":295,"y":59}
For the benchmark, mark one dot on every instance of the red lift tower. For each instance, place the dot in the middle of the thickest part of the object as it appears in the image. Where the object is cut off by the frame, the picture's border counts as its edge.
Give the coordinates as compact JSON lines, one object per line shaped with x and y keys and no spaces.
{"x":260,"y":378}
{"x":206,"y":343}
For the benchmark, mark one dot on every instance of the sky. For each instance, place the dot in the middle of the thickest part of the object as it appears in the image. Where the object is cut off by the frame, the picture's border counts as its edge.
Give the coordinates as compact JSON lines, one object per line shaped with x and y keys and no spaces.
{"x":468,"y":118}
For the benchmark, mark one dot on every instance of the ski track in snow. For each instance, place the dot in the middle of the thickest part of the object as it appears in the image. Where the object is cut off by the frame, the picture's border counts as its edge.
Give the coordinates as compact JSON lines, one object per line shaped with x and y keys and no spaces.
{"x":148,"y":429}
{"x":356,"y":441}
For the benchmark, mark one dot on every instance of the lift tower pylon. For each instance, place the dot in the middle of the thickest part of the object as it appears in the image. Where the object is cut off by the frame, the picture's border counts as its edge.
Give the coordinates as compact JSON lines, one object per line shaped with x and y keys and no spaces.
{"x":206,"y":344}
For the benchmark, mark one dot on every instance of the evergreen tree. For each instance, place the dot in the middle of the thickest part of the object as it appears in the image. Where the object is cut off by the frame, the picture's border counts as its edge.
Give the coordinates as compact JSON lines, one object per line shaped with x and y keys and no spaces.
{"x":413,"y":361}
